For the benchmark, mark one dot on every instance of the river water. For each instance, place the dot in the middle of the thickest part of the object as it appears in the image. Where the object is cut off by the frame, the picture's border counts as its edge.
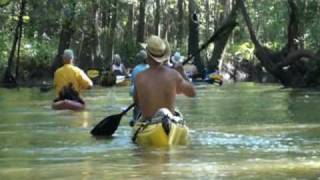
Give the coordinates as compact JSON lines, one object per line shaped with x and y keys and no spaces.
{"x":238,"y":131}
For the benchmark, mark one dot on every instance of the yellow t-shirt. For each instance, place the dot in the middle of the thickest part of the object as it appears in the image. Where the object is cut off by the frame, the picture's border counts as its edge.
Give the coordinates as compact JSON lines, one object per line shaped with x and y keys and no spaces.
{"x":69,"y":73}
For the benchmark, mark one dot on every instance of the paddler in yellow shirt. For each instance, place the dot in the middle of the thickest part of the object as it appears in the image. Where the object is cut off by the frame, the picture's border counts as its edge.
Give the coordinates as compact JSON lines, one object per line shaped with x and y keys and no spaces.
{"x":69,"y":82}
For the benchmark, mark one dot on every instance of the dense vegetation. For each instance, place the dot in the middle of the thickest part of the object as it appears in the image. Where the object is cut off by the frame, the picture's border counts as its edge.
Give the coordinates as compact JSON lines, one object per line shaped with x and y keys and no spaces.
{"x":97,"y":29}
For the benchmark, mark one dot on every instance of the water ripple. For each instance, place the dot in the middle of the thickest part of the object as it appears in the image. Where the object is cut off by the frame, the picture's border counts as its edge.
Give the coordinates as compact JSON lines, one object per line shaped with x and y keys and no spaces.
{"x":237,"y":142}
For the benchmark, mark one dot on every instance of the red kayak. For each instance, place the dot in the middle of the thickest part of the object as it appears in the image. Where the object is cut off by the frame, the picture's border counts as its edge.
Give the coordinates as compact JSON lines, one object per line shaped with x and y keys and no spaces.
{"x":68,"y":104}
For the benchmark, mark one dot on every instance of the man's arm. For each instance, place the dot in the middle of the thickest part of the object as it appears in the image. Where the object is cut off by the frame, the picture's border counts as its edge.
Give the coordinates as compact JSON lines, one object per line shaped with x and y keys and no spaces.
{"x":135,"y":91}
{"x":85,"y":81}
{"x":183,"y":85}
{"x":55,"y":83}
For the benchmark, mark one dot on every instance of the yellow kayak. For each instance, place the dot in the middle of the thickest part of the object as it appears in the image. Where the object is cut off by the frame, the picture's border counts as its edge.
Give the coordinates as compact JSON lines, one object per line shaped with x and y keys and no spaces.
{"x":156,"y":134}
{"x":122,"y":81}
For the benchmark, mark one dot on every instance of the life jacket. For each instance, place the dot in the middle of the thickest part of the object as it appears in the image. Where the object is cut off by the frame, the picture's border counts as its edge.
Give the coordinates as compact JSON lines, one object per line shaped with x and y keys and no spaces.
{"x":69,"y":93}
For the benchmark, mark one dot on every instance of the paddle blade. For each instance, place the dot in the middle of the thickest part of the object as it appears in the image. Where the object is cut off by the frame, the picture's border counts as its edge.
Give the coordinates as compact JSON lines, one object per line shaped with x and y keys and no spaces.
{"x":107,"y":126}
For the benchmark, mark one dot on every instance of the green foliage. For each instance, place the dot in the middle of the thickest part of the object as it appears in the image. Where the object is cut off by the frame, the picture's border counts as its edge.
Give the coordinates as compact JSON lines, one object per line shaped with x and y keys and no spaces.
{"x":4,"y":2}
{"x":128,"y":52}
{"x":269,"y":19}
{"x":4,"y":50}
{"x":36,"y":58}
{"x":245,"y":50}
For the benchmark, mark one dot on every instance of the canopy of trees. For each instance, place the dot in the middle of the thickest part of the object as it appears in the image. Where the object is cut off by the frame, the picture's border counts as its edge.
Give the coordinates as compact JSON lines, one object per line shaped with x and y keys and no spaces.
{"x":280,"y":37}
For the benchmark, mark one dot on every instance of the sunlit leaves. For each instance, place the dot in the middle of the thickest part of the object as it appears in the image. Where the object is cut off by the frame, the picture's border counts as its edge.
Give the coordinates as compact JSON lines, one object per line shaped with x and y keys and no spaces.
{"x":269,"y":18}
{"x":25,"y":19}
{"x":244,"y":50}
{"x":4,"y":2}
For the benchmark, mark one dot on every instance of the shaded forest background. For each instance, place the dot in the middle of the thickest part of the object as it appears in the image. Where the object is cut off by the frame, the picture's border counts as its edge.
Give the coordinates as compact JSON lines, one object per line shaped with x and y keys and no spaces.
{"x":264,"y":41}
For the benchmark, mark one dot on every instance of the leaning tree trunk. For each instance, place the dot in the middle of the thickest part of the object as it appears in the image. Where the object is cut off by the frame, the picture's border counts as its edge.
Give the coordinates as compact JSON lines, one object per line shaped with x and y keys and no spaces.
{"x":18,"y":52}
{"x":9,"y":79}
{"x":65,"y":36}
{"x":265,"y":56}
{"x":194,"y":37}
{"x":222,"y":40}
{"x":291,"y":66}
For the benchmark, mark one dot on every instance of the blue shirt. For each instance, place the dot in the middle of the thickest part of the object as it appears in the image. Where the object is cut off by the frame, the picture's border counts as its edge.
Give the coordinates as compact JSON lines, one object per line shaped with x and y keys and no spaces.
{"x":136,"y":70}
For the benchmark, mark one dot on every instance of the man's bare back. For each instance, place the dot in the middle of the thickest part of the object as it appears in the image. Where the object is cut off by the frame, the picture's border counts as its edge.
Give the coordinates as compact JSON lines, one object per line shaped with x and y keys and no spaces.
{"x":157,"y":88}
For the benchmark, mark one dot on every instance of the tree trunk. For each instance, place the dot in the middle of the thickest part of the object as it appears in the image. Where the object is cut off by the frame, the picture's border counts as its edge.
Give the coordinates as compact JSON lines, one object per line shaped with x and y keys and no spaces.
{"x":194,"y":37}
{"x":96,"y":44}
{"x":105,"y":14}
{"x":227,"y":6}
{"x":9,"y":79}
{"x":110,"y":42}
{"x":129,"y":44}
{"x":129,"y":25}
{"x":105,"y":24}
{"x":65,"y":36}
{"x":180,"y":22}
{"x":207,"y":18}
{"x":293,"y":28}
{"x":141,"y":21}
{"x":90,"y":54}
{"x":221,"y":41}
{"x":166,"y":26}
{"x":157,"y":19}
{"x":86,"y":57}
{"x":18,"y":52}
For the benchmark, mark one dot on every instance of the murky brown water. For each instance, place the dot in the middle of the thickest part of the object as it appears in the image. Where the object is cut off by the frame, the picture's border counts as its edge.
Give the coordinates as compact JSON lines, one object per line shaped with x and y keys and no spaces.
{"x":241,"y":131}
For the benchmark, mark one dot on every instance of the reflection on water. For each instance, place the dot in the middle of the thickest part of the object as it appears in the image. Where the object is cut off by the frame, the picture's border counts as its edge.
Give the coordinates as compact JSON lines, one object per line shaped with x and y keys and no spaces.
{"x":241,"y":131}
{"x":237,"y":142}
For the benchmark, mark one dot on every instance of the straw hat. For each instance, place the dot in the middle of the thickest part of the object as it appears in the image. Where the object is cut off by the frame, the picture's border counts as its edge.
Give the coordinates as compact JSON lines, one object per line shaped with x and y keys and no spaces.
{"x":158,"y":49}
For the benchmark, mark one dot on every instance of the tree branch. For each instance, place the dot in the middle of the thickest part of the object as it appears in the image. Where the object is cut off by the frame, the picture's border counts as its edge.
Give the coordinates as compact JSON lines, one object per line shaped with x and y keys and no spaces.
{"x":5,"y":4}
{"x":295,"y":56}
{"x":249,"y":24}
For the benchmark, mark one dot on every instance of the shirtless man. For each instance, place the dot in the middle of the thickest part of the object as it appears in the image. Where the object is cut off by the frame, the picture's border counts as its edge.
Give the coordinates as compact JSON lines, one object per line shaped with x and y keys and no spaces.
{"x":157,"y":86}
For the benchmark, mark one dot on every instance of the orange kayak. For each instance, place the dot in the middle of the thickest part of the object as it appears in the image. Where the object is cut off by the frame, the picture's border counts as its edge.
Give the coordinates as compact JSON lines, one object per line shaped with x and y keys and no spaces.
{"x":68,"y":104}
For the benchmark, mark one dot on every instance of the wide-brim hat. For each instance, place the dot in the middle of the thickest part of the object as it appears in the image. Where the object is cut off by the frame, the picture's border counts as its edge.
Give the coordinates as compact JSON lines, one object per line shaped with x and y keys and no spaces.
{"x":158,"y":49}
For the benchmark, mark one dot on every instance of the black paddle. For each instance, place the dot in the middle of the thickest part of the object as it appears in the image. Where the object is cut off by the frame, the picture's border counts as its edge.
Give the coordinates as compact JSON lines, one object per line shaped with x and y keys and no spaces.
{"x":110,"y":124}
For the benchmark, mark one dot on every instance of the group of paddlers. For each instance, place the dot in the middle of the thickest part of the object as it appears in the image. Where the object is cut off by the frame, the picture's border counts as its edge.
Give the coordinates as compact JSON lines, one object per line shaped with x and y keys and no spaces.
{"x":154,"y":84}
